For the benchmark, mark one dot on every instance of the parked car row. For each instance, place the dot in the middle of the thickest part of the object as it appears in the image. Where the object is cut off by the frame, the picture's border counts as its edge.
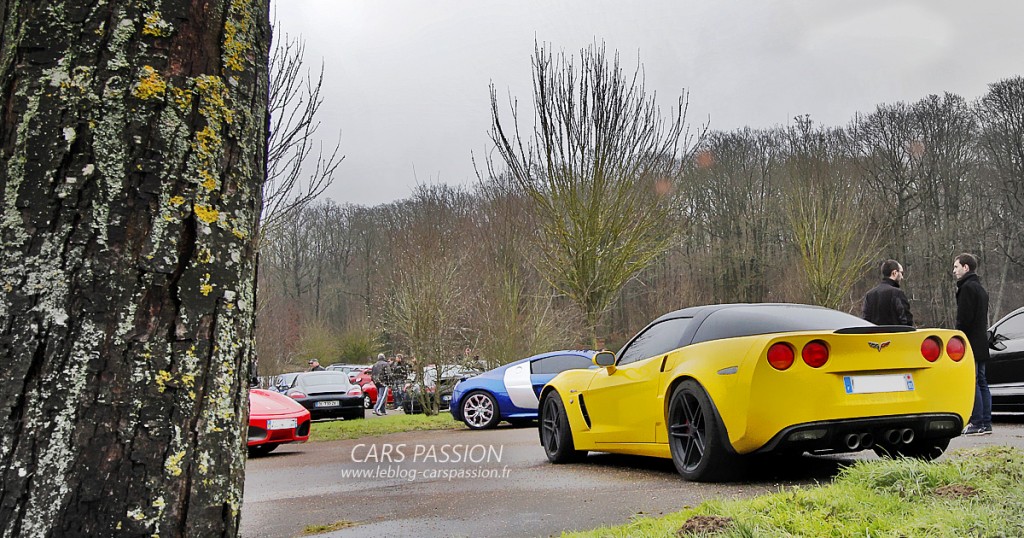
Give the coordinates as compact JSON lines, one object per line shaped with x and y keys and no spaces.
{"x":283,"y":415}
{"x":705,"y":386}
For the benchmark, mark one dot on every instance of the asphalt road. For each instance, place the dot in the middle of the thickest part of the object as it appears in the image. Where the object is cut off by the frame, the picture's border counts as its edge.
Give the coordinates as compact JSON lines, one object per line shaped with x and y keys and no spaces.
{"x":492,"y":483}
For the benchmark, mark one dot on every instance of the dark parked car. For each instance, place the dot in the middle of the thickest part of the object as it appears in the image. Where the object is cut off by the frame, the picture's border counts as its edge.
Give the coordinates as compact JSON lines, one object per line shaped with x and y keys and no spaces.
{"x":1005,"y":368}
{"x":416,"y":391}
{"x":327,"y":395}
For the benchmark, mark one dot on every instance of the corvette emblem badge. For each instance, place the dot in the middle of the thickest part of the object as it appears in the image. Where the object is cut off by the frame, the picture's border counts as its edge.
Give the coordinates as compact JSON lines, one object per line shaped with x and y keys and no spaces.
{"x":879,"y":346}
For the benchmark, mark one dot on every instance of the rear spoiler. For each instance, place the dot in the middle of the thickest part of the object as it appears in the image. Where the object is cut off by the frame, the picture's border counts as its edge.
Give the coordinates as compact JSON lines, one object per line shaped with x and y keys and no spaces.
{"x":875,"y":329}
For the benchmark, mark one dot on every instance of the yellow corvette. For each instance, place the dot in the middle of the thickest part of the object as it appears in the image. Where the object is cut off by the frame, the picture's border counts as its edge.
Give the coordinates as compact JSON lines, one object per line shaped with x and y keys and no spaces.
{"x":707,"y":385}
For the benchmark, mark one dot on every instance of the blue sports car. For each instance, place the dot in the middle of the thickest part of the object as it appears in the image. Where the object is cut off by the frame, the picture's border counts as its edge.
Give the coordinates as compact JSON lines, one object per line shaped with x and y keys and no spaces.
{"x":510,"y":392}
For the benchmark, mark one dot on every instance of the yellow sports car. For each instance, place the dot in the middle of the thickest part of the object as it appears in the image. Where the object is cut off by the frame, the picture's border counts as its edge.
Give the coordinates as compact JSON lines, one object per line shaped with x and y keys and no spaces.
{"x":707,"y":385}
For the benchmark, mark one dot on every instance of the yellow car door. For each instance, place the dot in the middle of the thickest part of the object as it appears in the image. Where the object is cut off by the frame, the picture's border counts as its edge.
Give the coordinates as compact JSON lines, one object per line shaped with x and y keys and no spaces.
{"x":620,"y":402}
{"x":623,"y":401}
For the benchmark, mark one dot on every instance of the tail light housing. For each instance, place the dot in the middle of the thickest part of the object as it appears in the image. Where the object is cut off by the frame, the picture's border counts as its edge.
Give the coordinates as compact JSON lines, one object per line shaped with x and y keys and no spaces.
{"x":296,"y":394}
{"x":956,"y":348}
{"x":931,"y":348}
{"x":355,"y":391}
{"x":815,"y":353}
{"x":781,"y":355}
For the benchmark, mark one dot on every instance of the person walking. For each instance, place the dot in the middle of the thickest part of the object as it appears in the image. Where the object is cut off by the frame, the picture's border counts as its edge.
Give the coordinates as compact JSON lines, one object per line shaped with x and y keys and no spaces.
{"x":379,"y":374}
{"x":886,"y":304}
{"x":972,"y":319}
{"x":314,"y":366}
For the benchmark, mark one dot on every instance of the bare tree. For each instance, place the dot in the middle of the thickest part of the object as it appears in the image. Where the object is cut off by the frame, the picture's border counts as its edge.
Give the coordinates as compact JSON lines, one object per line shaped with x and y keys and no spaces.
{"x":830,"y":225}
{"x":1001,"y":141}
{"x":600,"y":167}
{"x":294,"y":176}
{"x":133,"y":144}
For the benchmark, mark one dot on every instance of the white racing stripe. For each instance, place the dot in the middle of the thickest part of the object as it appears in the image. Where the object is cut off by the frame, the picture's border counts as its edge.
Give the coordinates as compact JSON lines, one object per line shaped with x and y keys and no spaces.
{"x":520,"y":390}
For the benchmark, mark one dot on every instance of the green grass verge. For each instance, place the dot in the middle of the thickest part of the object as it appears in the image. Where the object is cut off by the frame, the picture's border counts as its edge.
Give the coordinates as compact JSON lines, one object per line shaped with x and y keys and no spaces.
{"x":393,"y":423}
{"x":977,"y":492}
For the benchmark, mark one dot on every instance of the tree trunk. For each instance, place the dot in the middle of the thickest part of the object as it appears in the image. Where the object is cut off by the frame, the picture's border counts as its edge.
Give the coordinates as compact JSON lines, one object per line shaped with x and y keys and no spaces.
{"x":132,"y":152}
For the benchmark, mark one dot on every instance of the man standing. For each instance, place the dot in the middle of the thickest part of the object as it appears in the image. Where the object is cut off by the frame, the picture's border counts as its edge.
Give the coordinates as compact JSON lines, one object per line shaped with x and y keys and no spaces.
{"x":379,"y":374}
{"x":886,"y":304}
{"x":399,"y":375}
{"x":314,"y":366}
{"x":972,"y":319}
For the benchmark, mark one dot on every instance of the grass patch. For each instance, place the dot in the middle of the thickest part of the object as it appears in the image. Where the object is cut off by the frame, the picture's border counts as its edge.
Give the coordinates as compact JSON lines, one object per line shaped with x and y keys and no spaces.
{"x":977,"y":492}
{"x":393,"y":423}
{"x":320,"y":529}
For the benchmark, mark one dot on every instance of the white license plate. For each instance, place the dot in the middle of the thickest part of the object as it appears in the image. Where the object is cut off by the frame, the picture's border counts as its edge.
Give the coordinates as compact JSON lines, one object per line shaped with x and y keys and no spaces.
{"x":867,"y":384}
{"x":281,"y":424}
{"x":328,"y":403}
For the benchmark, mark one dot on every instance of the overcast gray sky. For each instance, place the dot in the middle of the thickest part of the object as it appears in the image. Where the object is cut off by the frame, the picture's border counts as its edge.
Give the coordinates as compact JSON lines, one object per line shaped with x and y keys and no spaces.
{"x":406,"y":81}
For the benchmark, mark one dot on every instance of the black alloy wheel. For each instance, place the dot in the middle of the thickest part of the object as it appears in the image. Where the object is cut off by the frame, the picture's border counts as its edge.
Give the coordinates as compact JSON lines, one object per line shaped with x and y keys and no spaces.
{"x":696,"y":439}
{"x":555,"y":432}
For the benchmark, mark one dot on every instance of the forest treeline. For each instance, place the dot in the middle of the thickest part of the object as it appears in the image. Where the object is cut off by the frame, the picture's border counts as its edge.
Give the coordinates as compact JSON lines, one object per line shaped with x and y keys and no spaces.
{"x":799,"y":213}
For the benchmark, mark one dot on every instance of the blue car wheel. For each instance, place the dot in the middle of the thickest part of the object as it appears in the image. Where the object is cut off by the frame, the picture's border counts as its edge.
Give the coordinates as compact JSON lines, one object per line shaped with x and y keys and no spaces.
{"x":480,"y":410}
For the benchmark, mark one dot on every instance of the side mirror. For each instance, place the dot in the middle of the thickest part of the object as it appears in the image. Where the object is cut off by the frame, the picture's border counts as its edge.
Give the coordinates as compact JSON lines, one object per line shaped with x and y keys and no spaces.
{"x":996,"y":341}
{"x":604,"y":359}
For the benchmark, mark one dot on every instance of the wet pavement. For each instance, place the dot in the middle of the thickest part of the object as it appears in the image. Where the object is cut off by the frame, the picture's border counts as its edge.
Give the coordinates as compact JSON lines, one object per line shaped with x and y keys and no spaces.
{"x":493,"y":483}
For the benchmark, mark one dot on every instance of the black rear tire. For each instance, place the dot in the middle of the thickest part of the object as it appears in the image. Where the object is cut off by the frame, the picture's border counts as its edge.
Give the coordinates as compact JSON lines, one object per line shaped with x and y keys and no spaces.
{"x":696,"y":437}
{"x":555,"y":432}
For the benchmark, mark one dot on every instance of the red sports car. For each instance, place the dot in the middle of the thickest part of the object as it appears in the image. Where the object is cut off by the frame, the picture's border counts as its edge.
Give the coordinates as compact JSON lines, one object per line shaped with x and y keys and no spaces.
{"x":275,"y":419}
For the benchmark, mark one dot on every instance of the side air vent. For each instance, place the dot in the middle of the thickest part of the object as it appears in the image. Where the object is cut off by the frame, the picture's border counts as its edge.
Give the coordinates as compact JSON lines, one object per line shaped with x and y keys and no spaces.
{"x":583,"y":408}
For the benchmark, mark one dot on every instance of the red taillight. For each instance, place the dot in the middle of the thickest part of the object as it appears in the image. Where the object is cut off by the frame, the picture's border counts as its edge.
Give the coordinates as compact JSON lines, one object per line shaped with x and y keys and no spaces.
{"x":781,"y":356}
{"x":296,"y":394}
{"x":956,"y":348}
{"x":354,"y":391}
{"x":931,"y":348}
{"x":815,"y":353}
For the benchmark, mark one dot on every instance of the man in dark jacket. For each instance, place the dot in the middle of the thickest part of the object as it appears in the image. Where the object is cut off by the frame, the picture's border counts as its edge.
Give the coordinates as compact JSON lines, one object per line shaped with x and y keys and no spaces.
{"x":886,"y":304}
{"x":972,"y":319}
{"x":380,"y":374}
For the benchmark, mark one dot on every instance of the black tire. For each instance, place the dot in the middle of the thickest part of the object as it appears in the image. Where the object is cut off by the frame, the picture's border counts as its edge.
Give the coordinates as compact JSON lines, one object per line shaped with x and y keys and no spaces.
{"x":925,"y":449}
{"x":480,"y":410}
{"x":555,"y":432}
{"x":262,"y":450}
{"x":696,"y":437}
{"x":367,"y":402}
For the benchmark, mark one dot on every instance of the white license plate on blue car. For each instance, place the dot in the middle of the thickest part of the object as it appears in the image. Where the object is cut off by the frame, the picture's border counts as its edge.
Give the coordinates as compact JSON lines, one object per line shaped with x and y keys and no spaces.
{"x":328,"y":403}
{"x":870,"y":384}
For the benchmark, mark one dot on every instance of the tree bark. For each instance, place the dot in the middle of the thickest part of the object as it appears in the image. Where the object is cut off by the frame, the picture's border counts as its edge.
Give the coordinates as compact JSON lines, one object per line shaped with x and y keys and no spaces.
{"x":132,"y":151}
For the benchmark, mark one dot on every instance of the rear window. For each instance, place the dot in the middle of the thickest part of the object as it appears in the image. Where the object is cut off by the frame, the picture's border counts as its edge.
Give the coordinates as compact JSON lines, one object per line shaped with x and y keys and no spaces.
{"x":747,"y":321}
{"x":325,"y":378}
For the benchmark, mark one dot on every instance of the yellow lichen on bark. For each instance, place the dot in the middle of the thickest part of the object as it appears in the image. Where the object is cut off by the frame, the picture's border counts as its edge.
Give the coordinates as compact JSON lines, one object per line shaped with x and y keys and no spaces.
{"x":150,"y":84}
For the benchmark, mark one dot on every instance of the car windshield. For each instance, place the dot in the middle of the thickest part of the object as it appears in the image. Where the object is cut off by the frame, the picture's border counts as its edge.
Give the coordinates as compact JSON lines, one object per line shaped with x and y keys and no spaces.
{"x":750,"y":320}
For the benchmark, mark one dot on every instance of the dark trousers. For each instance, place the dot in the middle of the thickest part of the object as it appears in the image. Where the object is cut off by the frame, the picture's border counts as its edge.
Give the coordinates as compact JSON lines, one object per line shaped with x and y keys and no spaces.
{"x":982,"y":413}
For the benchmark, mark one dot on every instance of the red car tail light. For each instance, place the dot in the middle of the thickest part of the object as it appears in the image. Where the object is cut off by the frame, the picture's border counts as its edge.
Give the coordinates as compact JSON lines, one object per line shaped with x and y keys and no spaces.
{"x":956,"y":348}
{"x":355,"y":391}
{"x":296,"y":394}
{"x":815,"y":353}
{"x":931,"y":348}
{"x":781,"y":355}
